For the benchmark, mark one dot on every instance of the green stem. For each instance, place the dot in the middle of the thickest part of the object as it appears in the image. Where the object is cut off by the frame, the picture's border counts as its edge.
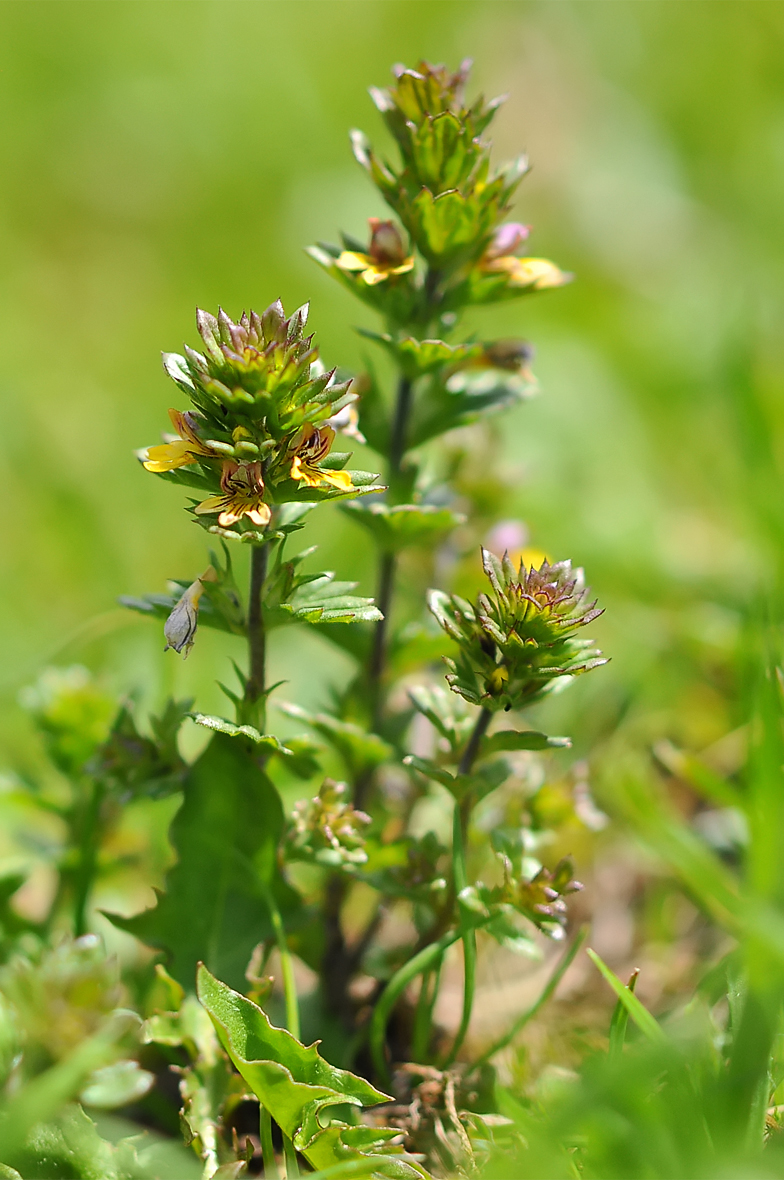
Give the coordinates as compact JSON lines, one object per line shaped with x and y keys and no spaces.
{"x":88,"y":843}
{"x":257,"y":642}
{"x":462,"y":817}
{"x":424,"y":961}
{"x":423,"y":1018}
{"x":549,"y":989}
{"x":292,"y":1164}
{"x":271,"y":1171}
{"x":286,"y":966}
{"x":397,"y":438}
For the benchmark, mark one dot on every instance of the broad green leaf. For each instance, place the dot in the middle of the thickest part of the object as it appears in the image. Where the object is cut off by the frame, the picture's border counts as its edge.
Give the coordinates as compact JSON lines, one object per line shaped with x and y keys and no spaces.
{"x":297,"y":1086}
{"x":226,"y":834}
{"x":323,"y":600}
{"x":646,"y":1023}
{"x":397,"y":526}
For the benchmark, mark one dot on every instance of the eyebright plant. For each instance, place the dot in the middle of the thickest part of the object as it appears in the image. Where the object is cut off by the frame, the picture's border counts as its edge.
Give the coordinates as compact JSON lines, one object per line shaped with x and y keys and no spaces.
{"x":257,"y":445}
{"x":256,"y":427}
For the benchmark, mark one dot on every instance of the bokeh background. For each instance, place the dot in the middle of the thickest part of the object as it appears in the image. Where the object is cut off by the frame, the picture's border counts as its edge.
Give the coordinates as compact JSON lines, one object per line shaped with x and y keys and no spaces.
{"x":157,"y":156}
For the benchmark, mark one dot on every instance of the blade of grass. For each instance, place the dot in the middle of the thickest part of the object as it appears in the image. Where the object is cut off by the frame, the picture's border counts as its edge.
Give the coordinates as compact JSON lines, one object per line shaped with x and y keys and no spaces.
{"x":620,"y":1019}
{"x":647,"y":1025}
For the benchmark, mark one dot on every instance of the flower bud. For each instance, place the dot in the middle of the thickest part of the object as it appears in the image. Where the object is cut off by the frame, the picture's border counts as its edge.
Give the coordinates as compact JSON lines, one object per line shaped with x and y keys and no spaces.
{"x":506,"y":239}
{"x":386,"y":243}
{"x":180,"y":627}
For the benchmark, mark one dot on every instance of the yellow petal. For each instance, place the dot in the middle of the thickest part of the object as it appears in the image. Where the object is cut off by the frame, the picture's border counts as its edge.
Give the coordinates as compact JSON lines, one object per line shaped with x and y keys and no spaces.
{"x":300,"y":471}
{"x":373,"y":276}
{"x":338,"y":479}
{"x":349,"y":260}
{"x":211,"y":504}
{"x":168,"y":456}
{"x":538,"y":273}
{"x":404,"y":267}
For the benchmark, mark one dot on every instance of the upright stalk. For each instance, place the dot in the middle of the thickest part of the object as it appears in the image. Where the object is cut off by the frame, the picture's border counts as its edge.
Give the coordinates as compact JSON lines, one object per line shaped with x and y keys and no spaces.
{"x":388,"y":562}
{"x":257,"y":640}
{"x":286,"y":967}
{"x":271,"y":1170}
{"x":462,"y":817}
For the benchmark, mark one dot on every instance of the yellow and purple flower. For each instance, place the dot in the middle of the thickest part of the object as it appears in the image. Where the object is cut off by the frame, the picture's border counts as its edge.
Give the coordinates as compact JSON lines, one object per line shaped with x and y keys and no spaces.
{"x":535,"y":273}
{"x":242,"y":494}
{"x":312,"y":445}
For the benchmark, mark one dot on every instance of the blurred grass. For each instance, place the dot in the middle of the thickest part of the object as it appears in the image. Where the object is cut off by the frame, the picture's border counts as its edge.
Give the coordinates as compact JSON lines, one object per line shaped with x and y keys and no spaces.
{"x":163,"y":155}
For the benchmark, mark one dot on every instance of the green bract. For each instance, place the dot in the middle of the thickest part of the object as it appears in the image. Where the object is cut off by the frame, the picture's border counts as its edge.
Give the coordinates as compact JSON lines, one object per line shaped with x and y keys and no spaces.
{"x":519,"y":642}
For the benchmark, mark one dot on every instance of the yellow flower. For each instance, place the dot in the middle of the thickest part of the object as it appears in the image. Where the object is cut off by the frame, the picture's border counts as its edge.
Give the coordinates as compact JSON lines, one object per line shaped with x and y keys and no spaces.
{"x":185,"y":449}
{"x":310,"y":446}
{"x":537,"y":273}
{"x":500,"y":258}
{"x":242,"y":491}
{"x":386,"y":255}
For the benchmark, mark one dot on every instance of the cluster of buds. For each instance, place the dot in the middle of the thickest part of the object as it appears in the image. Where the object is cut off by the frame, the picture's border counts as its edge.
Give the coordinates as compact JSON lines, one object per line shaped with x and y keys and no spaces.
{"x":517,"y":643}
{"x":263,"y":420}
{"x":450,"y":202}
{"x":540,"y":899}
{"x":328,"y":829}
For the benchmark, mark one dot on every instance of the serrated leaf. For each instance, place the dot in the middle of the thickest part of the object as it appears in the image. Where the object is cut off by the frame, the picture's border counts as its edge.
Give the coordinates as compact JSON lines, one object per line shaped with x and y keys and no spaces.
{"x":527,"y":739}
{"x":221,"y":725}
{"x":467,"y":396}
{"x":297,"y":1086}
{"x":225,"y":834}
{"x":398,"y":526}
{"x":323,"y":600}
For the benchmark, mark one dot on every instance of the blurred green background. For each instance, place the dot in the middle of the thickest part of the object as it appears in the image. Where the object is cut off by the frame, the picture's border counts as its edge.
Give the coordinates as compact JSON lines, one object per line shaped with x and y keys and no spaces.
{"x":159,"y":156}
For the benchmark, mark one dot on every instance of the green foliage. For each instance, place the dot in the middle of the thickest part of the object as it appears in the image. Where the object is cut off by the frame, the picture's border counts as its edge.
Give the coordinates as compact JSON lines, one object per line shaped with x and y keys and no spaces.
{"x":522,"y":642}
{"x":298,"y":1087}
{"x":226,"y":835}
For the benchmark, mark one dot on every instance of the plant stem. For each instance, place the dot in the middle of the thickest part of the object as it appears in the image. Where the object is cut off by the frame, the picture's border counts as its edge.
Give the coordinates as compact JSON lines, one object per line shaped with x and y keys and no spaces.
{"x":462,"y":817}
{"x":286,"y":966}
{"x":397,"y":439}
{"x":424,"y":961}
{"x":271,"y":1171}
{"x":563,"y":965}
{"x":257,"y":640}
{"x":472,"y":746}
{"x":88,"y":856}
{"x":423,"y":1019}
{"x":290,"y":1152}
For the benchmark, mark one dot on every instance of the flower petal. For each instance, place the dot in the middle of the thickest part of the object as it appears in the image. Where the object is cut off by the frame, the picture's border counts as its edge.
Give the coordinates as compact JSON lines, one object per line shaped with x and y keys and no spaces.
{"x":211,"y":504}
{"x":169,"y":456}
{"x":349,"y":260}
